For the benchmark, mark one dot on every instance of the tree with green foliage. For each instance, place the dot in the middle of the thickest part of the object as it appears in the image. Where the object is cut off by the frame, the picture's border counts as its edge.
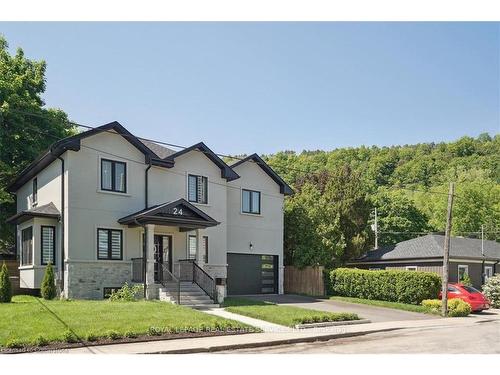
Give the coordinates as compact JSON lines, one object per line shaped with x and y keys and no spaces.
{"x":398,"y":217}
{"x":326,"y":222}
{"x":48,"y":287}
{"x":22,"y":136}
{"x":5,"y":286}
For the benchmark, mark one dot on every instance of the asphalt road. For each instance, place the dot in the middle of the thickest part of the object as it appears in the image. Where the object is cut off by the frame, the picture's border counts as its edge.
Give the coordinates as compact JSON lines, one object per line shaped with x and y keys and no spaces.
{"x":373,"y":313}
{"x":477,"y":338}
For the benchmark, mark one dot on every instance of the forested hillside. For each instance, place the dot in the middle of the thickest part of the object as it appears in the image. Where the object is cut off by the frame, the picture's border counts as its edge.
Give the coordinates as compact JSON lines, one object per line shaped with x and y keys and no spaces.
{"x":328,"y":220}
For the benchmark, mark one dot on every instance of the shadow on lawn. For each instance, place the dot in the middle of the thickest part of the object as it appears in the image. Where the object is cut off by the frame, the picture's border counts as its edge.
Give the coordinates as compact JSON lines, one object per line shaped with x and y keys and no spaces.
{"x":53,"y":313}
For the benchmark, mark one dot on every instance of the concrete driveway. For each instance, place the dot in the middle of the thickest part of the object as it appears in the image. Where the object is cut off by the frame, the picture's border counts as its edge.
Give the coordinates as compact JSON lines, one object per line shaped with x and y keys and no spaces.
{"x":373,"y":313}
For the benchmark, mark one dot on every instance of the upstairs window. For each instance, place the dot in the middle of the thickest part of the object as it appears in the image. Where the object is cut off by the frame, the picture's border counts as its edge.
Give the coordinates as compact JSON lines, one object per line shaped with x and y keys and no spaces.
{"x":109,"y":244}
{"x":27,"y":246}
{"x":250,"y":202}
{"x":198,"y":189}
{"x":113,"y":176}
{"x":35,"y":191}
{"x":48,"y":244}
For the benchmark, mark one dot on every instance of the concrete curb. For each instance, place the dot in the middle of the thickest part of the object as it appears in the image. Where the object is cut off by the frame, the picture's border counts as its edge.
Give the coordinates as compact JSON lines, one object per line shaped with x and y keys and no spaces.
{"x":218,"y":348}
{"x":332,"y":324}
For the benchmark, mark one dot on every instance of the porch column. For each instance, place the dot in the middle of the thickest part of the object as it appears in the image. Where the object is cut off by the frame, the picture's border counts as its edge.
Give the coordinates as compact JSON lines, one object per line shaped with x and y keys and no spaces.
{"x":199,"y":250}
{"x":151,"y":292}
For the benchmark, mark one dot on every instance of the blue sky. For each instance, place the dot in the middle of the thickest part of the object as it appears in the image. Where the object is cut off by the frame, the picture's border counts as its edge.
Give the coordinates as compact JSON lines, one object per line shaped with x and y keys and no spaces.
{"x":265,"y":87}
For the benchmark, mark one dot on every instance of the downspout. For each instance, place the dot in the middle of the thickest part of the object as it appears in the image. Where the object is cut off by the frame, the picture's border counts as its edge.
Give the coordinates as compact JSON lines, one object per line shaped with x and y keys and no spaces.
{"x":146,"y":184}
{"x":62,"y":221}
{"x":145,"y":243}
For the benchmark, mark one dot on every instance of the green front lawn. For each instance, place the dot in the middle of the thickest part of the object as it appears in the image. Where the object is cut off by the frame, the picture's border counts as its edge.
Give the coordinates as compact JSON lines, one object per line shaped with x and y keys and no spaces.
{"x":390,"y":305}
{"x":29,"y":320}
{"x":280,"y":314}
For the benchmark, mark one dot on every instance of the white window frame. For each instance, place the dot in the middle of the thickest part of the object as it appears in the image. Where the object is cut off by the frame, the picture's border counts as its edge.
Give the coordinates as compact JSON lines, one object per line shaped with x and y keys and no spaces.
{"x":486,"y":276}
{"x":187,"y":188}
{"x":412,"y":268}
{"x":466,"y":267}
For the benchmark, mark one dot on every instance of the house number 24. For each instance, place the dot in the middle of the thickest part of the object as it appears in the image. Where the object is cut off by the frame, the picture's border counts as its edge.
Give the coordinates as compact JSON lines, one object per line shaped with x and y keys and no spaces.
{"x":177,"y":211}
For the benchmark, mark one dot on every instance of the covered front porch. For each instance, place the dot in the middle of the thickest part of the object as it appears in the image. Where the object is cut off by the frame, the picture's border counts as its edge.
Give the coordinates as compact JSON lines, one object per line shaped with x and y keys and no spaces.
{"x":175,"y":250}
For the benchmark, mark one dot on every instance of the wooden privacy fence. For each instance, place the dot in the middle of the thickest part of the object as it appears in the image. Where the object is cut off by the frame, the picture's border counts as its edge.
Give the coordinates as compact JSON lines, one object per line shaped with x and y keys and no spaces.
{"x":308,"y":280}
{"x":12,"y":265}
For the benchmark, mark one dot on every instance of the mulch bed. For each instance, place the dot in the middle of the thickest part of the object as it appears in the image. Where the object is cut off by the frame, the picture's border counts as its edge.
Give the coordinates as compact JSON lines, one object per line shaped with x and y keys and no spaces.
{"x":60,"y":346}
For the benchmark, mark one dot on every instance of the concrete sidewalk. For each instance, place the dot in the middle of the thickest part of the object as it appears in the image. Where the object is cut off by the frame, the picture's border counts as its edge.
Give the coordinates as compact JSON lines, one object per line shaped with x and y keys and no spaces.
{"x":262,"y":324}
{"x":253,"y":340}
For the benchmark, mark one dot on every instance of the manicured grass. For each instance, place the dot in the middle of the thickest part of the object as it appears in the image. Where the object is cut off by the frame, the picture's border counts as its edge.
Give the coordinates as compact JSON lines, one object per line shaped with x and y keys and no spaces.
{"x":390,"y":305}
{"x":28,"y":320}
{"x":280,"y":314}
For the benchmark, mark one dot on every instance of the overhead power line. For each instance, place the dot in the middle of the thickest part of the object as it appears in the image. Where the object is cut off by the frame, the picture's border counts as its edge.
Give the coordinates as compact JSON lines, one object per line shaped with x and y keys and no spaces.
{"x":283,"y":168}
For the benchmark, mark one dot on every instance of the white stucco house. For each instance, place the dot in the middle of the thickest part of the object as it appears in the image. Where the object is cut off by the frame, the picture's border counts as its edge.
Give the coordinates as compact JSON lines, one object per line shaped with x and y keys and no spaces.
{"x":98,"y":203}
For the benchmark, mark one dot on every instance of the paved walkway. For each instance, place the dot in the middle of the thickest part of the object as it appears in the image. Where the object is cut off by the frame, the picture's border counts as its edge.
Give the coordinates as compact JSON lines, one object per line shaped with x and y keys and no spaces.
{"x":262,"y":324}
{"x":373,"y":313}
{"x":252,"y":340}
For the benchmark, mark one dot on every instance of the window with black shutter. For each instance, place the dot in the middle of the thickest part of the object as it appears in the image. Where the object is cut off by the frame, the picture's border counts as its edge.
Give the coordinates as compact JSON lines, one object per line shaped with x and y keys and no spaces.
{"x":198,"y":189}
{"x":48,"y":242}
{"x":109,"y":244}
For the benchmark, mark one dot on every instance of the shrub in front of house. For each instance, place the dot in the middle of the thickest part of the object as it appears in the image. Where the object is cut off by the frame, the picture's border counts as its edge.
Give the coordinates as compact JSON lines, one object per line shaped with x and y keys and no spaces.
{"x":5,"y":286}
{"x":410,"y":287}
{"x":48,"y":287}
{"x":456,"y":307}
{"x":491,"y":289}
{"x":127,"y":293}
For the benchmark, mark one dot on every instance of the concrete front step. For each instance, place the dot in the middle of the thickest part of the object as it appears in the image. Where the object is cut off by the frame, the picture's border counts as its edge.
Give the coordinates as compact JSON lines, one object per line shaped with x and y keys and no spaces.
{"x":190,"y":293}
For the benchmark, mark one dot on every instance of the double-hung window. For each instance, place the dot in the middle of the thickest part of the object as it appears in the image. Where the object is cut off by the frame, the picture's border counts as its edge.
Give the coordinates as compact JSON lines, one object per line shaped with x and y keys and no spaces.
{"x":250,"y":202}
{"x":197,"y":189}
{"x":109,"y":244}
{"x":35,"y":192}
{"x":48,"y":242}
{"x":113,"y":176}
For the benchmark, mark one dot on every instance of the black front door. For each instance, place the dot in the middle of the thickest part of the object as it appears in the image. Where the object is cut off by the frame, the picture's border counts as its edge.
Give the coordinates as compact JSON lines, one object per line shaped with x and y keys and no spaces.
{"x":162,"y":254}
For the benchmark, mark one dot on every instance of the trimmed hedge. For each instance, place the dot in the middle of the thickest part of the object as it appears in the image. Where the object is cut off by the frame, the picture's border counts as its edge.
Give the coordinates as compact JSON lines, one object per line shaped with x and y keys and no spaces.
{"x":396,"y":286}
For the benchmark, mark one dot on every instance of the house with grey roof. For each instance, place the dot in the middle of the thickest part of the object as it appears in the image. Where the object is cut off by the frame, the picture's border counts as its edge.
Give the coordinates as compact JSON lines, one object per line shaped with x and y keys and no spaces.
{"x":107,"y":208}
{"x":477,"y":258}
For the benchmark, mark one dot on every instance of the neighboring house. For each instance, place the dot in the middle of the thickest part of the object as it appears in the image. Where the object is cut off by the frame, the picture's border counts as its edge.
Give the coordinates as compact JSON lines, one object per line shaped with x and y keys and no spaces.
{"x":479,"y":259}
{"x":97,"y":203}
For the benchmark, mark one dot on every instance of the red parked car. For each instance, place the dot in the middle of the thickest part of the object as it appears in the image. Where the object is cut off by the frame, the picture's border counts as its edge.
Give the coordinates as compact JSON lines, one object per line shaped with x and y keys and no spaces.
{"x":472,"y":296}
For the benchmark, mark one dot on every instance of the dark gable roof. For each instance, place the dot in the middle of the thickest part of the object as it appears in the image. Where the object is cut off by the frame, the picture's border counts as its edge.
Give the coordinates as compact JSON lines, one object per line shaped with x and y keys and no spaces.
{"x":161,"y":151}
{"x":431,"y":246}
{"x":226,"y":170}
{"x":284,"y":187}
{"x":73,"y":143}
{"x":47,"y":210}
{"x":163,"y":213}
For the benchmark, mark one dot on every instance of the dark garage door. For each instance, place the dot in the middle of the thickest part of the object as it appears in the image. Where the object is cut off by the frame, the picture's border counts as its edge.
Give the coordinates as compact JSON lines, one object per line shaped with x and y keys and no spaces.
{"x":252,"y":274}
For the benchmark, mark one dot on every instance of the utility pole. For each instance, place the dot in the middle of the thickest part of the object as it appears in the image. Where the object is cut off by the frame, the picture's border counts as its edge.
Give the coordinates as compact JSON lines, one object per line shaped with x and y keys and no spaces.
{"x":446,"y":255}
{"x":376,"y":229}
{"x":482,"y":240}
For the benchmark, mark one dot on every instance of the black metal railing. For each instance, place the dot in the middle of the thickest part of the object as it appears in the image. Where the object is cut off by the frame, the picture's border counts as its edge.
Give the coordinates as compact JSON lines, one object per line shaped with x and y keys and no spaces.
{"x":205,"y":281}
{"x":185,"y":269}
{"x":137,"y":270}
{"x":171,"y":283}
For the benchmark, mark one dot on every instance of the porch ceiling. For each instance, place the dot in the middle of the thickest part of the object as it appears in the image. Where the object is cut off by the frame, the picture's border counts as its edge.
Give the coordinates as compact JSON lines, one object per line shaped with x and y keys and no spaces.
{"x":179,"y":213}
